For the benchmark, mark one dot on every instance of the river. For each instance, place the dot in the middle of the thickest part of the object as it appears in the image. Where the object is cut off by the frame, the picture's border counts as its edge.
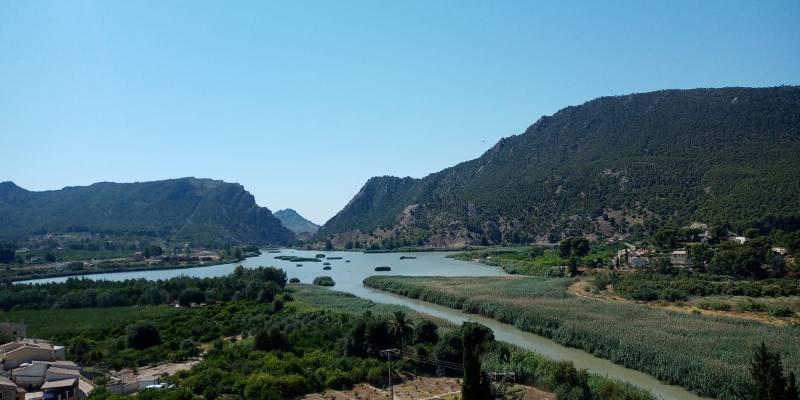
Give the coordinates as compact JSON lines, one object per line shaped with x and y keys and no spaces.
{"x":350,"y":271}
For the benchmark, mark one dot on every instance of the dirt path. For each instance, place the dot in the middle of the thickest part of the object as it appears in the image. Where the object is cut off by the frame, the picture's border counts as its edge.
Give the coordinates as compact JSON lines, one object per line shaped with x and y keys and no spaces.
{"x":580,"y":288}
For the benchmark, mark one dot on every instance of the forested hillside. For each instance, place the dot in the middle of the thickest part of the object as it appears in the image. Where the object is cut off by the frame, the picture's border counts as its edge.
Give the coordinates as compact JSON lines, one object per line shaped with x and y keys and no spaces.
{"x":606,"y":167}
{"x":203,"y":211}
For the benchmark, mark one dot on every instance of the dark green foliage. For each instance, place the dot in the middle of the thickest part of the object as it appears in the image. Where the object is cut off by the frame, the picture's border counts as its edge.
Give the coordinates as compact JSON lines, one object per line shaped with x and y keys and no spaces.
{"x":6,"y":255}
{"x":573,"y":247}
{"x":570,"y":383}
{"x":243,"y":284}
{"x":475,"y":338}
{"x":768,"y":379}
{"x":324,"y":281}
{"x":142,"y":335}
{"x":271,"y":339}
{"x":714,"y":155}
{"x":427,"y":332}
{"x":202,"y":211}
{"x":791,"y":387}
{"x":189,"y":296}
{"x":652,"y":286}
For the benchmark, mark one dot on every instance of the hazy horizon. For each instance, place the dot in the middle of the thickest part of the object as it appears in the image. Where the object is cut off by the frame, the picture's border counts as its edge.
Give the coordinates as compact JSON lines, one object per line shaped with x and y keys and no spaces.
{"x":302,"y":103}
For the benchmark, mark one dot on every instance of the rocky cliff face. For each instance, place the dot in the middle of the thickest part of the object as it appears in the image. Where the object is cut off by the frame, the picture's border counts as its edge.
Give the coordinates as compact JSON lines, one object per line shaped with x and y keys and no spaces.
{"x":199,"y":210}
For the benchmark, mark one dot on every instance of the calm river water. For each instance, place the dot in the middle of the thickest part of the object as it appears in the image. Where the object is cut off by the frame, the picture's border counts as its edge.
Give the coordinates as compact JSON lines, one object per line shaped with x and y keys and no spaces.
{"x":349,"y":275}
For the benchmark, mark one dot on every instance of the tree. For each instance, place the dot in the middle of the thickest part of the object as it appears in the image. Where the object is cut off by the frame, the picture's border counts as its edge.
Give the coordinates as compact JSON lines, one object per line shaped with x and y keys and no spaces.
{"x":573,"y":266}
{"x":142,"y":335}
{"x":699,"y":255}
{"x":475,"y":337}
{"x":399,"y":327}
{"x":6,"y":256}
{"x":427,"y":332}
{"x":271,"y":339}
{"x":237,"y":253}
{"x":766,"y":371}
{"x":191,"y":295}
{"x":574,"y":246}
{"x":791,"y":387}
{"x":570,"y":383}
{"x":666,"y":237}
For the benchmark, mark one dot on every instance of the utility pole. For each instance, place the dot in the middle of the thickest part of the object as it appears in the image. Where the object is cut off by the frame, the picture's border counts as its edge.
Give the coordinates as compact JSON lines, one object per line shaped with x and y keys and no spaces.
{"x":389,"y":363}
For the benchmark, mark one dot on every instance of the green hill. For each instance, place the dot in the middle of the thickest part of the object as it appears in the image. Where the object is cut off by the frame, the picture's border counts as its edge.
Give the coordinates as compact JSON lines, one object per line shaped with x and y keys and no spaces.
{"x":203,"y":211}
{"x":601,"y":168}
{"x":296,"y":222}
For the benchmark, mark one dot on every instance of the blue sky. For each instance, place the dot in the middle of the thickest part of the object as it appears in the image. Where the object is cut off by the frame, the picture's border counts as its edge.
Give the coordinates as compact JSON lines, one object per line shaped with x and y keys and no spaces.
{"x":302,"y":102}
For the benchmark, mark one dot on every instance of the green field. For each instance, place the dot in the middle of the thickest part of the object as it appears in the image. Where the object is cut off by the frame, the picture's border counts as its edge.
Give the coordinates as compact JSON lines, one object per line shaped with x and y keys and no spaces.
{"x":49,"y":323}
{"x":706,"y":354}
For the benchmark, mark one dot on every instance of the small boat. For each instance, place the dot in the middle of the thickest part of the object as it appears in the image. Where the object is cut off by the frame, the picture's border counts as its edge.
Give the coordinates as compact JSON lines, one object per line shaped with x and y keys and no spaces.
{"x":346,"y":260}
{"x":383,"y":268}
{"x":320,"y":255}
{"x":326,"y":268}
{"x":299,"y":265}
{"x":334,"y":258}
{"x":327,"y":263}
{"x":408,"y":258}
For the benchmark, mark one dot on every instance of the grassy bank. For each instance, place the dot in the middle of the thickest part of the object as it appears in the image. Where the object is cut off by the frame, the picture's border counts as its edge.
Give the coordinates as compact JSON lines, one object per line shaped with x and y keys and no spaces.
{"x":706,"y":354}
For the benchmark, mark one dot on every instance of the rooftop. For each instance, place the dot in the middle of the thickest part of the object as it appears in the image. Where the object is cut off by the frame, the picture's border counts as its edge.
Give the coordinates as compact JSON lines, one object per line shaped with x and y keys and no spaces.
{"x":62,"y":384}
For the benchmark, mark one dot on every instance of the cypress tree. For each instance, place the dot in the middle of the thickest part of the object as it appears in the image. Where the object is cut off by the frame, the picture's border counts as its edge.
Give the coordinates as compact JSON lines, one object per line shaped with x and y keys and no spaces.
{"x":791,"y":387}
{"x":476,"y":386}
{"x":766,"y":369}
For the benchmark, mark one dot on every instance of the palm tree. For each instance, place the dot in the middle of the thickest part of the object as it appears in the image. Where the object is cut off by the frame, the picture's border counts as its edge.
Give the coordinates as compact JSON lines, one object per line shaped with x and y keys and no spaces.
{"x":400,"y":328}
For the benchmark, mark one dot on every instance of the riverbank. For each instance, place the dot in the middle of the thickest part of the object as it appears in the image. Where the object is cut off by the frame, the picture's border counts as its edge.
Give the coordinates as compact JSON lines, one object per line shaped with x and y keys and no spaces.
{"x":349,"y":276}
{"x":706,"y":354}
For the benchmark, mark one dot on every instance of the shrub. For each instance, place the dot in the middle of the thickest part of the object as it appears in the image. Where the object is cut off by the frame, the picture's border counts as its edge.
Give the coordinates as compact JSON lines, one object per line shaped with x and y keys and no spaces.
{"x":781,"y":311}
{"x":751,"y":306}
{"x":714,"y":305}
{"x":142,"y":335}
{"x":324,"y":281}
{"x":673,"y":295}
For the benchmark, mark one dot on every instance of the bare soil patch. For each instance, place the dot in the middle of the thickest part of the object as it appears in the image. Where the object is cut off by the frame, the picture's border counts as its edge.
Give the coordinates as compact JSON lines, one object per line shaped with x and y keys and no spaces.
{"x":419,"y":388}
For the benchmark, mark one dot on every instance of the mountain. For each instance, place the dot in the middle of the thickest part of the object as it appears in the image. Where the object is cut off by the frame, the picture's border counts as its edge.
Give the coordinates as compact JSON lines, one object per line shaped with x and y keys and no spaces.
{"x":603,"y":168}
{"x":203,"y":211}
{"x":295,"y":222}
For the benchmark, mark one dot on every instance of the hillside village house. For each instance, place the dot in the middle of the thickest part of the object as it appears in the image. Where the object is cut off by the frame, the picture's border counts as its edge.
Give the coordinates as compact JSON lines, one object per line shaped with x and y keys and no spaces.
{"x":679,"y":258}
{"x":37,"y":370}
{"x":14,"y":354}
{"x":633,"y":258}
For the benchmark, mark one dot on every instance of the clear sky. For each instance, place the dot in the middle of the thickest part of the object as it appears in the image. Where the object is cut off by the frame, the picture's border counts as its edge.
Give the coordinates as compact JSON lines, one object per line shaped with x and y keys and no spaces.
{"x":302,"y":101}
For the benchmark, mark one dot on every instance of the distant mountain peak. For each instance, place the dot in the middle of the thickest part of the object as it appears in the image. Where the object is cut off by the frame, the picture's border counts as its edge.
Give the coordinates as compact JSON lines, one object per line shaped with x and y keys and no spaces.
{"x":295,"y":222}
